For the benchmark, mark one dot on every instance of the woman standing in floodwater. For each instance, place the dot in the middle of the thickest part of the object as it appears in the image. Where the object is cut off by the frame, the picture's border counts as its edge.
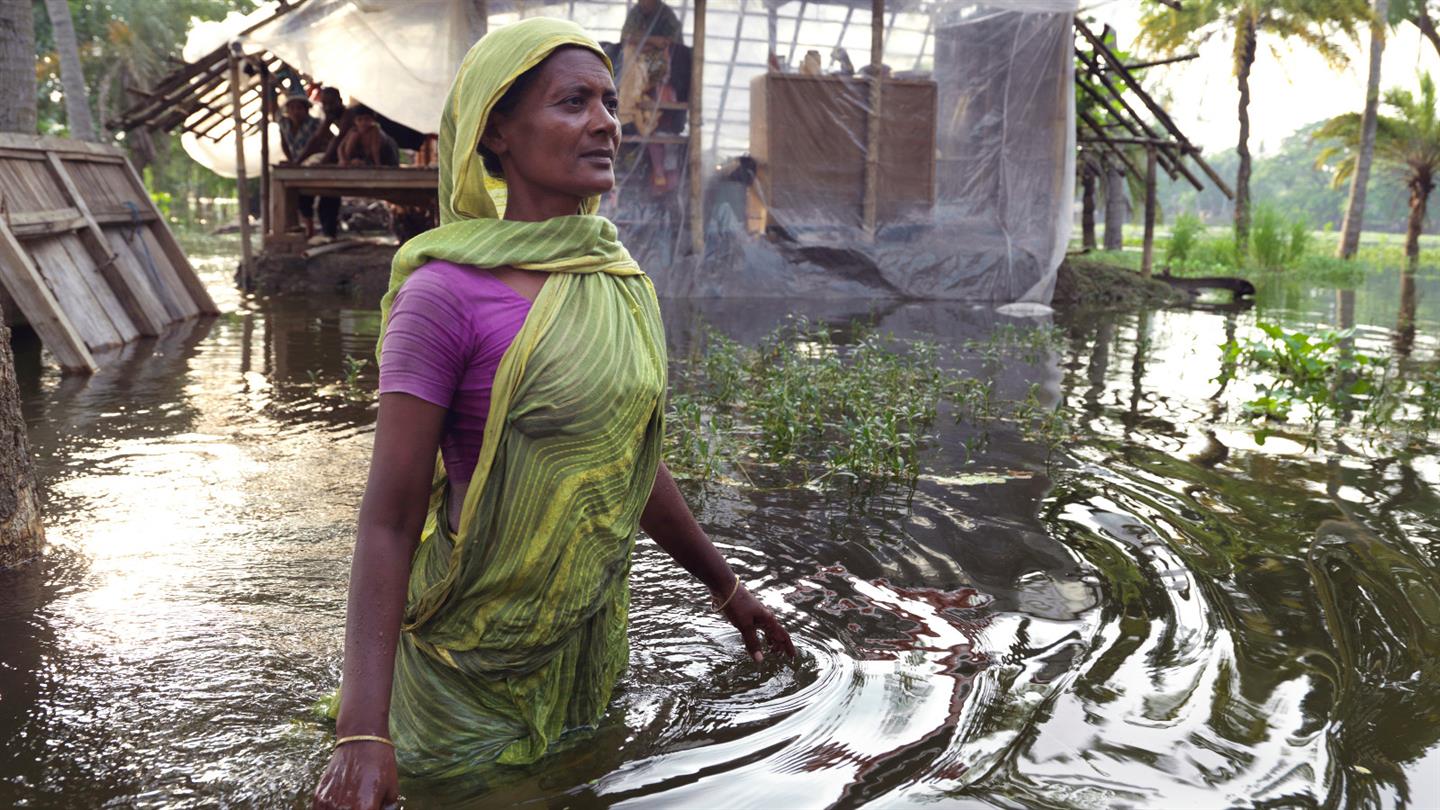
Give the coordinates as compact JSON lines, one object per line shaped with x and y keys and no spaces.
{"x":488,"y":613}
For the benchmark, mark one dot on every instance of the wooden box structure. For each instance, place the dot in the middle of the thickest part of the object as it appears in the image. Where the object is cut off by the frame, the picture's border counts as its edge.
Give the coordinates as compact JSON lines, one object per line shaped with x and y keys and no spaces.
{"x":84,"y":254}
{"x":810,"y":136}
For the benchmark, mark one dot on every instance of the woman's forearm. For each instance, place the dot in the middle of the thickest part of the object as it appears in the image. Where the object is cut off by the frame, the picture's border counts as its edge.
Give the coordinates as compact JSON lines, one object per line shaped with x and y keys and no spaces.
{"x":669,"y":521}
{"x":378,"y":579}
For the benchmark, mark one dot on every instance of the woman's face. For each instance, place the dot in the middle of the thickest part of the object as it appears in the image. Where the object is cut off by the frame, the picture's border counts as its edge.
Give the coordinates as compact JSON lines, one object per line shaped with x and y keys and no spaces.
{"x":562,"y":134}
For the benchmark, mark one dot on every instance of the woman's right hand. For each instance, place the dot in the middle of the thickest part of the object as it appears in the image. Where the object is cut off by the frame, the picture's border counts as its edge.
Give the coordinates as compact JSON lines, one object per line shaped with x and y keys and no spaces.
{"x":361,"y":776}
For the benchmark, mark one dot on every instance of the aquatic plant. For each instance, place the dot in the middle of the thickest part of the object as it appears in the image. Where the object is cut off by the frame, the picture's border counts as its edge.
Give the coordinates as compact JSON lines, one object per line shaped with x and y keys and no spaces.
{"x":353,"y":370}
{"x":1276,"y":243}
{"x":1319,"y":373}
{"x":1184,"y":233}
{"x":800,"y":401}
{"x":1031,"y":344}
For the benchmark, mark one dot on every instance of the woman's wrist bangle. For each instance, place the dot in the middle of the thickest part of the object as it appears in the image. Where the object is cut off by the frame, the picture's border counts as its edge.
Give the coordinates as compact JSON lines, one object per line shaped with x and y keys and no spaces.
{"x":734,"y":588}
{"x":364,"y":738}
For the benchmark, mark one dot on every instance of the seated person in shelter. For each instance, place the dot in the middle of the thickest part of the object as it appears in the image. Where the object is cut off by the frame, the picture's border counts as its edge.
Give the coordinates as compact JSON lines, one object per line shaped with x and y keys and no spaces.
{"x":297,"y":128}
{"x":650,"y":32}
{"x":365,"y":143}
{"x":652,"y":22}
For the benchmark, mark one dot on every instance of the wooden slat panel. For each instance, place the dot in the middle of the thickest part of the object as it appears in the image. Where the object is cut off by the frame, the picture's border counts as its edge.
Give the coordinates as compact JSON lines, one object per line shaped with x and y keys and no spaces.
{"x":23,"y":188}
{"x":27,"y":287}
{"x":174,"y":254}
{"x":131,"y":246}
{"x":88,"y":314}
{"x":131,"y":289}
{"x":98,"y":185}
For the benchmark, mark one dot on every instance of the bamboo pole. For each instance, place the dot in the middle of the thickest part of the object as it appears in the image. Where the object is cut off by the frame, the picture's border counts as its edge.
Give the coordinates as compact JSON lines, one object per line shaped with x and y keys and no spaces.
{"x":872,"y":134}
{"x":1147,"y":258}
{"x":267,"y":112}
{"x":241,"y":188}
{"x":697,"y":169}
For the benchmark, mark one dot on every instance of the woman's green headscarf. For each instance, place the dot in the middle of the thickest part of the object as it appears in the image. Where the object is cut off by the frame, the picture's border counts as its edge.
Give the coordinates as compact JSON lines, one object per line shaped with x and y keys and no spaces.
{"x":515,"y":622}
{"x":472,"y":200}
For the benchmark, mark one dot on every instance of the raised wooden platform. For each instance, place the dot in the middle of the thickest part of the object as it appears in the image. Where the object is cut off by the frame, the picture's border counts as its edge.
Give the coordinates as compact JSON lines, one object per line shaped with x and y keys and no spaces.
{"x":84,"y":253}
{"x":403,"y":185}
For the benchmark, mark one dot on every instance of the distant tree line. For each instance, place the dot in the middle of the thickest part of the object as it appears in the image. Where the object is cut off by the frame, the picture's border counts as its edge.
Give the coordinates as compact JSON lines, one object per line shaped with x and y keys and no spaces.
{"x":1290,"y":180}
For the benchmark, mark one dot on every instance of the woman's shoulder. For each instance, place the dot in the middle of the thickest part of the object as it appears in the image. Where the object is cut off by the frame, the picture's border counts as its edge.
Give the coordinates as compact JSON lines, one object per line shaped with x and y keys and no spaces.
{"x":460,"y":282}
{"x":461,"y":294}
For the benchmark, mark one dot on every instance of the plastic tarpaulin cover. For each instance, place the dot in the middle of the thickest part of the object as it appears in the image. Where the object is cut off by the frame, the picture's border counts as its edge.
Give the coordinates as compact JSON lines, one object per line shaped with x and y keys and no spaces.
{"x":971,"y":194}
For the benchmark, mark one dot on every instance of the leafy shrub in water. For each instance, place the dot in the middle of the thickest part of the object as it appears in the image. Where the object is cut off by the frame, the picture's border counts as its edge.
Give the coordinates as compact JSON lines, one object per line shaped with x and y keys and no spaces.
{"x":1184,"y":233}
{"x":1276,"y":242}
{"x":797,"y":398}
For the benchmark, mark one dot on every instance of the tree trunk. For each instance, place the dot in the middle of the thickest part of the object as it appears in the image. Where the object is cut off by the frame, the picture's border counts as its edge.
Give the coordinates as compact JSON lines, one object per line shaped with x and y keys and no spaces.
{"x":1355,"y":208}
{"x":1244,"y":60}
{"x":1420,"y":187}
{"x":1117,"y":207}
{"x":21,"y":534}
{"x":1404,"y":339}
{"x":1426,"y":24}
{"x":17,"y":67}
{"x":1087,"y":202}
{"x":72,"y":75}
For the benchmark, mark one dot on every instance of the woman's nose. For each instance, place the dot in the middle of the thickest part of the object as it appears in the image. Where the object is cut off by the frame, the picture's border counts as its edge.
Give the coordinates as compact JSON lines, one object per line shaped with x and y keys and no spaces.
{"x":603,"y":121}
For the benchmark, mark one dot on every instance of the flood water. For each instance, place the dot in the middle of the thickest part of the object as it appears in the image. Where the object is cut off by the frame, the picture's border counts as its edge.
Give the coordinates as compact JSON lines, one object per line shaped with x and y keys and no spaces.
{"x":1159,"y":613}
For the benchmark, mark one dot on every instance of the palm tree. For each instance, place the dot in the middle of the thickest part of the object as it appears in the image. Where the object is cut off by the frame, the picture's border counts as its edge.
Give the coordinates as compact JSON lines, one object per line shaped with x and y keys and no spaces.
{"x":72,"y":76}
{"x":1407,"y":143}
{"x":1168,"y":28}
{"x":1355,"y":207}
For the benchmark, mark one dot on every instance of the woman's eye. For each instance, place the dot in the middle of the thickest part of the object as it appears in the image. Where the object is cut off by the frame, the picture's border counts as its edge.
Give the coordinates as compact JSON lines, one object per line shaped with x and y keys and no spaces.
{"x":612,"y":105}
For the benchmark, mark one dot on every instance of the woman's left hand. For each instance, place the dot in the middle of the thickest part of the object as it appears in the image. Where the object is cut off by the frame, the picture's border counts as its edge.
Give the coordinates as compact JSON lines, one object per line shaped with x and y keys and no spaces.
{"x":751,"y":618}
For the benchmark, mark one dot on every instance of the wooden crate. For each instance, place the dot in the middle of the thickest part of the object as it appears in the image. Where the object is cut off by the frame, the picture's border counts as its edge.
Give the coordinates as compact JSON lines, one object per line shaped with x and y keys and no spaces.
{"x":808,"y":135}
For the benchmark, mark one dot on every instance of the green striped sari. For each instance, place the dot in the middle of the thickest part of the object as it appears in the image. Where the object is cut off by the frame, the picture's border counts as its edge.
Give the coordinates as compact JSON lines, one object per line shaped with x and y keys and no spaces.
{"x":515,"y":624}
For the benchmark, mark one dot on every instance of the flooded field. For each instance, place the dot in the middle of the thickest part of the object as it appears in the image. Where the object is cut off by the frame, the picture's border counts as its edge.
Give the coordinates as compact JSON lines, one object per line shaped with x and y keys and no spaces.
{"x":1144,"y":606}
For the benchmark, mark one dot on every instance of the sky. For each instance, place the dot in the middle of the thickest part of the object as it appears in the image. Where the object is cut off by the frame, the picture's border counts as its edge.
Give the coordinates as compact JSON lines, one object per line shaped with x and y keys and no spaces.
{"x":1289,"y":86}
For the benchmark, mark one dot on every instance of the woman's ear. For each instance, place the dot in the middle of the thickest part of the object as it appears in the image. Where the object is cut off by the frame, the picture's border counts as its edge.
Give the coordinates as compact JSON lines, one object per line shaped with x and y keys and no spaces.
{"x":493,"y":139}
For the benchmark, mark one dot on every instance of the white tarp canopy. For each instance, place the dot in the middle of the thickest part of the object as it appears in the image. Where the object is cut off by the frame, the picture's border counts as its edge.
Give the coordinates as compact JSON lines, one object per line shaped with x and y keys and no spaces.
{"x":395,"y":56}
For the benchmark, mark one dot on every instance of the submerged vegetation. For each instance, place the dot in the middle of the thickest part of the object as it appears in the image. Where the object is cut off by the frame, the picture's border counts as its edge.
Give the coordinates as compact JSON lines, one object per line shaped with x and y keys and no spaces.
{"x":860,"y":413}
{"x":1322,"y":380}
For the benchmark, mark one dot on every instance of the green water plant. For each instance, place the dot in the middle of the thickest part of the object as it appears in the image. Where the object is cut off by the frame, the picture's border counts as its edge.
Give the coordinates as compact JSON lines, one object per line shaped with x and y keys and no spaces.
{"x":799,"y":401}
{"x":1315,"y":376}
{"x":1184,"y":235}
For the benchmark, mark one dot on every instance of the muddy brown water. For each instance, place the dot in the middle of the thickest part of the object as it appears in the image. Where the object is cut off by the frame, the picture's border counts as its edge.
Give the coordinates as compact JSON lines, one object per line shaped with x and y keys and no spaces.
{"x":1160,"y":613}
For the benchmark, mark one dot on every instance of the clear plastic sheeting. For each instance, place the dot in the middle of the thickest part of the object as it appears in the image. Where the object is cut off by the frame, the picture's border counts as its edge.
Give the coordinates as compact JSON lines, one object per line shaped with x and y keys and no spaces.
{"x":971,"y":188}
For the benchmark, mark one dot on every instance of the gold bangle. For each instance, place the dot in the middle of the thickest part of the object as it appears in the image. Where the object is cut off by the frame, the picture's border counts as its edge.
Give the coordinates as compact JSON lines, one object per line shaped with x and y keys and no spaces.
{"x":363,"y":738}
{"x":733,"y":590}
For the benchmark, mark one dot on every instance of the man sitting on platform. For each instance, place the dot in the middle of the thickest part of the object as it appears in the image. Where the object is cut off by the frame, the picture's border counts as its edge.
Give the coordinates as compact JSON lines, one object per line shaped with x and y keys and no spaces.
{"x":297,"y":128}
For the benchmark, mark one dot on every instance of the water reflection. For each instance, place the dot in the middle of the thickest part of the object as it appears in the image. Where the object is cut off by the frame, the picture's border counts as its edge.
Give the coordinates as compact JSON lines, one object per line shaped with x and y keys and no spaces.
{"x":1161,"y":612}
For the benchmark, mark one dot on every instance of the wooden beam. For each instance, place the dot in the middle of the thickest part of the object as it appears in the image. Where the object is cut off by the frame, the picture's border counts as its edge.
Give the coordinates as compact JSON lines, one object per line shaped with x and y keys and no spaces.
{"x":267,"y":110}
{"x":1147,"y":256}
{"x":697,"y":164}
{"x":1135,"y":124}
{"x":1158,"y":62}
{"x":30,"y":224}
{"x":134,"y":291}
{"x":22,"y":279}
{"x":1105,"y":142}
{"x":241,"y":186}
{"x":871,"y":203}
{"x":1155,"y":109}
